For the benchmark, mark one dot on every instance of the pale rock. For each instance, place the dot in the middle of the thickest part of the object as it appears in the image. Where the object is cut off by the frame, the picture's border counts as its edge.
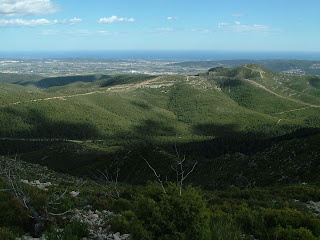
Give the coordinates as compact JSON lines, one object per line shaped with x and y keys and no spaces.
{"x":311,"y":203}
{"x":93,"y":216}
{"x":125,"y":236}
{"x":116,"y":237}
{"x":74,"y":193}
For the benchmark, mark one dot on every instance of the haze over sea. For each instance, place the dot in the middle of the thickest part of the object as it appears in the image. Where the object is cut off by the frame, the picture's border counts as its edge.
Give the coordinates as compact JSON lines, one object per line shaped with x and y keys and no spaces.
{"x":165,"y":55}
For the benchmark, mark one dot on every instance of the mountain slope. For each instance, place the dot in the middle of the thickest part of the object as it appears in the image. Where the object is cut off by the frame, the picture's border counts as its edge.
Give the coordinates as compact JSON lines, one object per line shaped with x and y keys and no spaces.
{"x":91,"y":123}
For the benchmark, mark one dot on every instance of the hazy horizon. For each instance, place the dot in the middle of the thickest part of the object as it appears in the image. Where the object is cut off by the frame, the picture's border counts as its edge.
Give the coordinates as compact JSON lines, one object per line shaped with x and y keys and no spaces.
{"x":57,"y":25}
{"x":201,"y":55}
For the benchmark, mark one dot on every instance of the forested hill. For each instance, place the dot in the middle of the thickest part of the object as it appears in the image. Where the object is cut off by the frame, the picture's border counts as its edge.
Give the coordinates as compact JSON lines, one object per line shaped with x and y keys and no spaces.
{"x":14,"y":77}
{"x":77,"y":123}
{"x":292,"y":67}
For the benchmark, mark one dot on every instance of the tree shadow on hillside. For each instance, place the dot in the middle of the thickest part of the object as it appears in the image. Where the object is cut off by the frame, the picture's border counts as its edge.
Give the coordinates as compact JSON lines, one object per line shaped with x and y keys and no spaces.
{"x":37,"y":125}
{"x":141,"y":105}
{"x":62,"y":81}
{"x":153,"y":128}
{"x":209,"y":129}
{"x":229,"y":82}
{"x":124,"y":79}
{"x":226,"y":139}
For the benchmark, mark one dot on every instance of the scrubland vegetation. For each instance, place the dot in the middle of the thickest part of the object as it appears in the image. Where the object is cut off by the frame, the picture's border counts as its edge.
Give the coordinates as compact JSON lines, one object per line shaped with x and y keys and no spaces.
{"x":103,"y":156}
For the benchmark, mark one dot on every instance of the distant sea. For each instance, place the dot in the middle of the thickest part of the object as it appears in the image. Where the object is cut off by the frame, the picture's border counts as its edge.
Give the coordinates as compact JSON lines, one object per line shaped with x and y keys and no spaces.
{"x":166,"y":55}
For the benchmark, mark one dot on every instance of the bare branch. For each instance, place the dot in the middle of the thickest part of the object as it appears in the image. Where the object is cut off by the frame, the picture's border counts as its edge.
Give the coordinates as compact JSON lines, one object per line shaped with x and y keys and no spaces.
{"x":155,"y":173}
{"x":61,"y":196}
{"x":194,"y":165}
{"x":60,"y":214}
{"x":81,"y":184}
{"x":180,"y":172}
{"x":4,"y":190}
{"x":111,"y":186}
{"x":177,"y":152}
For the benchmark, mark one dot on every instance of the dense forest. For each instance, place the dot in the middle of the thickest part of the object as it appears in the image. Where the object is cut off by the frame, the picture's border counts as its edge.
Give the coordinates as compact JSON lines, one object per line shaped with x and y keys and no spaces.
{"x":231,"y":153}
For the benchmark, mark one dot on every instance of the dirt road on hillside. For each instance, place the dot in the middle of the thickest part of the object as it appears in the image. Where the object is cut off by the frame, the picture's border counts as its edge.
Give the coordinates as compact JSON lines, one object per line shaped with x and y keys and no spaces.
{"x":118,"y":87}
{"x":278,"y":95}
{"x":255,"y":70}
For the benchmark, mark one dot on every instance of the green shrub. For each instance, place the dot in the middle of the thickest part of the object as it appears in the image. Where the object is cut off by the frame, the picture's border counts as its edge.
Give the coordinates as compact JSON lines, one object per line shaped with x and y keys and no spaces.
{"x":6,"y":234}
{"x":290,"y":233}
{"x":79,"y":229}
{"x":102,"y":204}
{"x":248,"y":219}
{"x":170,"y":216}
{"x":223,"y":227}
{"x":39,"y":200}
{"x":285,"y":217}
{"x":120,"y":205}
{"x":114,"y":205}
{"x":14,"y":215}
{"x":73,"y":231}
{"x":121,"y":223}
{"x":303,"y":193}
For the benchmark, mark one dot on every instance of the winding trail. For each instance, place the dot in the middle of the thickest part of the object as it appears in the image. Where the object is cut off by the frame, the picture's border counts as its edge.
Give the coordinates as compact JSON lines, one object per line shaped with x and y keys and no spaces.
{"x":46,"y":140}
{"x":255,"y":70}
{"x":117,"y":87}
{"x":278,"y":95}
{"x":293,"y":110}
{"x":137,"y":85}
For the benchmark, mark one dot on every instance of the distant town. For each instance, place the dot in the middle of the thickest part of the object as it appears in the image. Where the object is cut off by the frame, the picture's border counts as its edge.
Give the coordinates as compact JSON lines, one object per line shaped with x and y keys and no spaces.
{"x":50,"y":67}
{"x":67,"y":67}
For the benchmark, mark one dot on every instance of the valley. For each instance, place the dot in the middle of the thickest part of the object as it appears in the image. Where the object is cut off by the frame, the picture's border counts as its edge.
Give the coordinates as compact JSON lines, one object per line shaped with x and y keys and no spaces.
{"x":242,"y":144}
{"x":223,"y":111}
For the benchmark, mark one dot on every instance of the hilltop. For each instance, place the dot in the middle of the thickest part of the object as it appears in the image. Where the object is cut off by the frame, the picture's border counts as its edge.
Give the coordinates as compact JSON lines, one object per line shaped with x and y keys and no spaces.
{"x":82,"y":122}
{"x":80,"y":151}
{"x":290,"y":67}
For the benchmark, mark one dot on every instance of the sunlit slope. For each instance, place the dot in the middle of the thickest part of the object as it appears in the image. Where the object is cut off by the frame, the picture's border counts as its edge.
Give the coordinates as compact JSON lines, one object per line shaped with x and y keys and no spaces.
{"x":258,"y":89}
{"x":163,"y":108}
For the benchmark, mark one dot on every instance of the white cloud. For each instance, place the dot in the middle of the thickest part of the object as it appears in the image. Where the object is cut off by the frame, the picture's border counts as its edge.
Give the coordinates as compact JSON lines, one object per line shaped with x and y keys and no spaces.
{"x":237,"y":27}
{"x":36,"y":22}
{"x":81,"y":33}
{"x":22,"y":22}
{"x":115,"y":19}
{"x":168,"y":30}
{"x":72,"y":21}
{"x":172,"y":18}
{"x":27,"y":7}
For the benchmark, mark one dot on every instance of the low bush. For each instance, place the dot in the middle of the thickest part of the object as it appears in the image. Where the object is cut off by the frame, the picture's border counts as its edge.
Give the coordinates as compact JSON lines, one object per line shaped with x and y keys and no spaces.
{"x":285,"y":217}
{"x":14,"y":215}
{"x":121,"y":223}
{"x":6,"y":234}
{"x":73,"y":231}
{"x":290,"y":233}
{"x":223,"y":227}
{"x":170,"y":216}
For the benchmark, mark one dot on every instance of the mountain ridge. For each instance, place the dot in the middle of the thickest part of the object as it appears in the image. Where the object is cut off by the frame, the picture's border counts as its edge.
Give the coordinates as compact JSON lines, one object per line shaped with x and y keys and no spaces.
{"x":222,"y":111}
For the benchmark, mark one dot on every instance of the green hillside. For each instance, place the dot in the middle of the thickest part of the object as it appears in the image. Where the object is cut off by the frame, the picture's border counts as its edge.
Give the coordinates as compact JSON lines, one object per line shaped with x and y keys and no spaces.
{"x":43,"y":203}
{"x":14,"y":77}
{"x":83,"y":122}
{"x":292,"y":67}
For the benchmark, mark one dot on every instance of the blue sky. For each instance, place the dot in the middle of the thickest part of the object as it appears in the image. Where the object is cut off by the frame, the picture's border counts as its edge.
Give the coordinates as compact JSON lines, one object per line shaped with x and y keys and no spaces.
{"x":236,"y":25}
